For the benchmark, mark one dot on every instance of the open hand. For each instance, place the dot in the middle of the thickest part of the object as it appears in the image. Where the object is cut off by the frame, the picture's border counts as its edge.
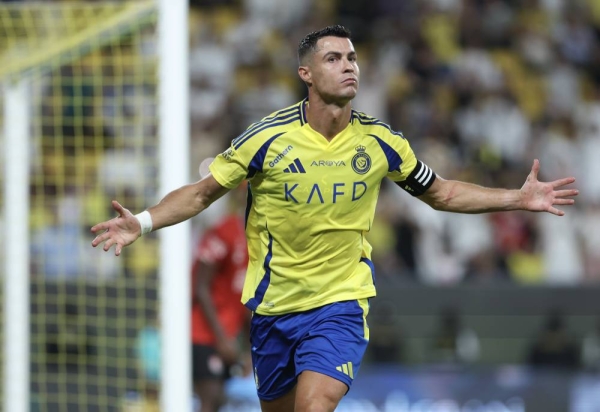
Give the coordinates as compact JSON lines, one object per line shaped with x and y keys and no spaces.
{"x":121,"y":231}
{"x":539,"y":196}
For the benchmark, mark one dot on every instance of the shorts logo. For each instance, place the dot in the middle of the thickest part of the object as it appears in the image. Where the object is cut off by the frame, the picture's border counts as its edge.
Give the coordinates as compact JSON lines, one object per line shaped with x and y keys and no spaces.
{"x":361,"y":162}
{"x":346,"y":369}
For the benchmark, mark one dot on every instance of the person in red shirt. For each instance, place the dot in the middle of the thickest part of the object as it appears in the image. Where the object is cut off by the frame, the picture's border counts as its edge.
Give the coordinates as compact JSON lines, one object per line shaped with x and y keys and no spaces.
{"x":218,"y":316}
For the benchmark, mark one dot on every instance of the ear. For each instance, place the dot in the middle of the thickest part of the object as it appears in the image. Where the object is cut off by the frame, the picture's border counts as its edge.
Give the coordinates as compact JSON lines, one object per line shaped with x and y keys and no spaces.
{"x":305,"y":75}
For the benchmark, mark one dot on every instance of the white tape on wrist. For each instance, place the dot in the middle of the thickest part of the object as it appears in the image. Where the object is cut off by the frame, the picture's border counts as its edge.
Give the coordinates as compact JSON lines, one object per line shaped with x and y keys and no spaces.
{"x":145,"y":221}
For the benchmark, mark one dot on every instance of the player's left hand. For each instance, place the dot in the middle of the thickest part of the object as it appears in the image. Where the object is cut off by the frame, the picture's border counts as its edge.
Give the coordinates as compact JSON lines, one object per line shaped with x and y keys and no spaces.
{"x":539,"y":196}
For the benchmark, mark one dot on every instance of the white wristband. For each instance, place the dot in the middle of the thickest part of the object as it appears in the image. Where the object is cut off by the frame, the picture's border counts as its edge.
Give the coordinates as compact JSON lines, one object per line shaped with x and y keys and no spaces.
{"x":145,"y":221}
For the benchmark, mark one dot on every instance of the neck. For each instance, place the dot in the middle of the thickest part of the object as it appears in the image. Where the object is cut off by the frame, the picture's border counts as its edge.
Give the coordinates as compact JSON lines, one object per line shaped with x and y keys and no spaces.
{"x":327,"y":119}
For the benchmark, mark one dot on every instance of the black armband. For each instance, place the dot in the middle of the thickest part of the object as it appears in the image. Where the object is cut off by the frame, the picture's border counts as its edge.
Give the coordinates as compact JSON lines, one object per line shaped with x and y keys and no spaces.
{"x":419,"y":180}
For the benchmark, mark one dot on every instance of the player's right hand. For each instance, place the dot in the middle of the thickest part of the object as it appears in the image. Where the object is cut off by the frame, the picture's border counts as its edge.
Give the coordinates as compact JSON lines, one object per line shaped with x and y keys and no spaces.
{"x":121,"y":231}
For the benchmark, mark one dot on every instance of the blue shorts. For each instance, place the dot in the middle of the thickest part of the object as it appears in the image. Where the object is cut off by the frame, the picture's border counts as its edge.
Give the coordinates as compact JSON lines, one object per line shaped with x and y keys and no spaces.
{"x":330,"y":340}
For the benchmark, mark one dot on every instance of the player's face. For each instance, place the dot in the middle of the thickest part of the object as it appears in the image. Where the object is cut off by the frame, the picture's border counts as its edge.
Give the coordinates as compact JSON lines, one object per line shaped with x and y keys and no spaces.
{"x":333,"y":69}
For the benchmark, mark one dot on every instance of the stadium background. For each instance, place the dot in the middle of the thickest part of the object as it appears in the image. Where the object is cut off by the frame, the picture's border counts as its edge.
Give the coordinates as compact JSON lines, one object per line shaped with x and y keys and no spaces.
{"x":479,"y":88}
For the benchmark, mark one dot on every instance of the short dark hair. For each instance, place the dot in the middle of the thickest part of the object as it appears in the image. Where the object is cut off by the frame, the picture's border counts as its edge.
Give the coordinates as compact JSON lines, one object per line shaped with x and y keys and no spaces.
{"x":309,"y":43}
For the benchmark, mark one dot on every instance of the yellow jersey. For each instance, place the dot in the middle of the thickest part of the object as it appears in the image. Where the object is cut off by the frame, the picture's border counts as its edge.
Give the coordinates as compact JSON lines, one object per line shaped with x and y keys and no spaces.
{"x":310,"y":203}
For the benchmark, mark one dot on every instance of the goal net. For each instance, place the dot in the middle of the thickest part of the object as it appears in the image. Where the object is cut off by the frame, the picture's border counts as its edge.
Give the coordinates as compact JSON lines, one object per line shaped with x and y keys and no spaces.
{"x":91,"y":75}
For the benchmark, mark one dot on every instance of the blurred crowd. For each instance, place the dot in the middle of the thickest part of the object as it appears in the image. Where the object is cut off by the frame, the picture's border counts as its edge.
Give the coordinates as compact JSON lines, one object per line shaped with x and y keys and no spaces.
{"x":479,"y":88}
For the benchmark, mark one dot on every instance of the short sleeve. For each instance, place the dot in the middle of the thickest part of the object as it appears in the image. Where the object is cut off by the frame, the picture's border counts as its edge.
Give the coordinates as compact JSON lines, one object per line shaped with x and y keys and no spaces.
{"x":230,"y":168}
{"x":407,"y":159}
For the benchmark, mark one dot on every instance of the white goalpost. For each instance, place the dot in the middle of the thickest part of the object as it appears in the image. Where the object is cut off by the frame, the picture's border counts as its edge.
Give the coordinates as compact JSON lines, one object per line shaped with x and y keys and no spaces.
{"x":175,"y":241}
{"x":16,"y":243}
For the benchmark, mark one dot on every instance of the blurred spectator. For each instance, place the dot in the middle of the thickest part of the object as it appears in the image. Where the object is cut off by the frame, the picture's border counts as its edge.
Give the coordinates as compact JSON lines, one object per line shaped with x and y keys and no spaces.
{"x":574,"y":36}
{"x":453,"y":342}
{"x":517,"y":246}
{"x":263,"y":96}
{"x":562,"y":251}
{"x":148,"y":356}
{"x":554,"y":347}
{"x":74,"y":121}
{"x":564,"y":90}
{"x":147,"y":350}
{"x":279,"y":15}
{"x":497,"y":124}
{"x":470,"y":239}
{"x":212,"y":67}
{"x":218,"y":316}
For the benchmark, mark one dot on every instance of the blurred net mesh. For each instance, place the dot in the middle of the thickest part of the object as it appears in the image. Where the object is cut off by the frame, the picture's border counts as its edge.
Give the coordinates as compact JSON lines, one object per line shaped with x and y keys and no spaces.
{"x":91,"y":75}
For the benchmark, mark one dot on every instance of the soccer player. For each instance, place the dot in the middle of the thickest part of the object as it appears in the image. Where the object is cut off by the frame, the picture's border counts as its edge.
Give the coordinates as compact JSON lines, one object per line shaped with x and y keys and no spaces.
{"x":315,"y":169}
{"x":218,"y":317}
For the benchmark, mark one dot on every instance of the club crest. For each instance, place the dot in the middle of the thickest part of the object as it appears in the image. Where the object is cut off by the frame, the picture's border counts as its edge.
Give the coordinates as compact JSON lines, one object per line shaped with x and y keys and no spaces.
{"x":361,"y":162}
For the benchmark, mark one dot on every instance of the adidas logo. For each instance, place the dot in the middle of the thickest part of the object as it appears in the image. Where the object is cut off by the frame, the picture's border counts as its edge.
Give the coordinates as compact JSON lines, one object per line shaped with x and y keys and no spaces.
{"x":346,"y":369}
{"x":295,"y":167}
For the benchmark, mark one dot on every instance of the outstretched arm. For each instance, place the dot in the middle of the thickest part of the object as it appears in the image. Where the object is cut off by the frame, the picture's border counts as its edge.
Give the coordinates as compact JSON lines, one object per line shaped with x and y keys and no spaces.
{"x":534,"y":196}
{"x":177,"y":206}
